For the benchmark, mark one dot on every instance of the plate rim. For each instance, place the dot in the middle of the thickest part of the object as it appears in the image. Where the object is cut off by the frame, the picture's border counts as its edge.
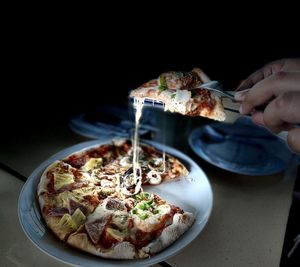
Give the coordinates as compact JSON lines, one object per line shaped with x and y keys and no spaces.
{"x":161,"y":256}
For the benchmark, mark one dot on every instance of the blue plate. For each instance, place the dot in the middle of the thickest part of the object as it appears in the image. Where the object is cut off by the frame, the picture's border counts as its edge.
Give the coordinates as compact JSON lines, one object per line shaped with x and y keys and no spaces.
{"x":241,"y":147}
{"x":112,"y":120}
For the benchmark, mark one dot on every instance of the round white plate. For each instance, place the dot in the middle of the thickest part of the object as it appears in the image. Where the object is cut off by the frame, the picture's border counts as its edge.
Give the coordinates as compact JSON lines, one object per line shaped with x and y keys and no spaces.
{"x":192,"y":193}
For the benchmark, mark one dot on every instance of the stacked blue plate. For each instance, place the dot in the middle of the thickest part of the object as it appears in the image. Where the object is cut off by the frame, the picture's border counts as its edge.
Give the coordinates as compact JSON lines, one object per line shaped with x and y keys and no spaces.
{"x":241,"y":147}
{"x":112,"y":120}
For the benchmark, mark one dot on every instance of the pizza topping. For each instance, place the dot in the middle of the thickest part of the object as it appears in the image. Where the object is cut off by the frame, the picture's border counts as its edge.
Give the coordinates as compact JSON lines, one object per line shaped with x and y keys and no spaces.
{"x":154,"y":218}
{"x":144,"y":196}
{"x":62,"y":179}
{"x":154,"y":177}
{"x":162,"y":83}
{"x":204,"y":100}
{"x":129,"y":183}
{"x":129,"y":203}
{"x":106,"y":152}
{"x":78,"y":217}
{"x":62,"y":199}
{"x":73,"y":222}
{"x":106,"y":183}
{"x":155,"y":163}
{"x":77,"y":161}
{"x":99,"y":212}
{"x":105,"y":192}
{"x":83,"y":191}
{"x":92,"y":199}
{"x":57,"y":212}
{"x":95,"y":228}
{"x":116,"y":234}
{"x":98,"y":174}
{"x":67,"y":222}
{"x":114,"y":204}
{"x":73,"y":186}
{"x":179,"y":80}
{"x":74,"y":205}
{"x":145,"y":207}
{"x":163,"y":209}
{"x":179,"y":102}
{"x":183,"y":96}
{"x":126,"y":161}
{"x":92,"y":163}
{"x":120,"y":219}
{"x":171,"y":80}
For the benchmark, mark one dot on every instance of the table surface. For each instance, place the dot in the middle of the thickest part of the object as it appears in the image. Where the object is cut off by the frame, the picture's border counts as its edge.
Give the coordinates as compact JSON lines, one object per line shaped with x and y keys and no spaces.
{"x":246,"y":227}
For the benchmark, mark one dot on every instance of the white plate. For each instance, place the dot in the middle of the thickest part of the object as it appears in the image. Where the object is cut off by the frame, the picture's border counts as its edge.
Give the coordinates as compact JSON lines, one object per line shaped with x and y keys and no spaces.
{"x":192,"y":193}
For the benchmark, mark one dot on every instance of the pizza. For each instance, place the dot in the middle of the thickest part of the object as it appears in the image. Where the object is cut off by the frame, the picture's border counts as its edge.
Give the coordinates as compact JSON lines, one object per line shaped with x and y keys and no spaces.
{"x":180,"y":92}
{"x":90,"y":202}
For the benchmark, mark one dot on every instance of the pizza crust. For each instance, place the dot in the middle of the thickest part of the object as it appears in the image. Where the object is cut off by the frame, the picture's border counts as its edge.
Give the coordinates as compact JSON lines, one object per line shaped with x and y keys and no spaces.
{"x":123,"y":250}
{"x":181,"y":223}
{"x":204,"y":78}
{"x":42,"y":186}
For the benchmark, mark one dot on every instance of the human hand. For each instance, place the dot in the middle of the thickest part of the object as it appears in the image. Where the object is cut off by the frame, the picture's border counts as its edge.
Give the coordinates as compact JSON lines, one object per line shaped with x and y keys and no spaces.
{"x":282,"y":65}
{"x":277,"y":87}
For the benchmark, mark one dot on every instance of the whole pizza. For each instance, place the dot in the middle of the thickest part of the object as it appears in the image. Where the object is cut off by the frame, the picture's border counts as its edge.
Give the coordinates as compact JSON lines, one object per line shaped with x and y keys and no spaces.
{"x":92,"y":201}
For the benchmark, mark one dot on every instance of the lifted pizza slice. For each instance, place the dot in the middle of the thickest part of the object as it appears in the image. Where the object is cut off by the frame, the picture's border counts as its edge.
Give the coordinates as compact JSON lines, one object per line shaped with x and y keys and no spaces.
{"x":179,"y":92}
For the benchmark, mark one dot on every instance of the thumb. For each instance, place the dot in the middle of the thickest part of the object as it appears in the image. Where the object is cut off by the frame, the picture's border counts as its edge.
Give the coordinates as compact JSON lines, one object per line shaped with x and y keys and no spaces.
{"x":293,"y":140}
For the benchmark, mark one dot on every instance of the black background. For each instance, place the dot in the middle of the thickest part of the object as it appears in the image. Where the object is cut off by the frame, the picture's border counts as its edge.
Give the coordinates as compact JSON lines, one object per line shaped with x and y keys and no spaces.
{"x":56,"y":69}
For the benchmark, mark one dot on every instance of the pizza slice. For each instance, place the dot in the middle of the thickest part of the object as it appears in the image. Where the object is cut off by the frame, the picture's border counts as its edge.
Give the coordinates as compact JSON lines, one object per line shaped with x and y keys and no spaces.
{"x":179,"y":92}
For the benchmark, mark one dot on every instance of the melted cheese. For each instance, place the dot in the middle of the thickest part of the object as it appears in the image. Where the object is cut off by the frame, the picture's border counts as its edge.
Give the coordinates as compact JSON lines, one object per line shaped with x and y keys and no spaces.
{"x":152,"y":220}
{"x":138,"y":103}
{"x":99,"y":212}
{"x":120,"y":219}
{"x":179,"y":101}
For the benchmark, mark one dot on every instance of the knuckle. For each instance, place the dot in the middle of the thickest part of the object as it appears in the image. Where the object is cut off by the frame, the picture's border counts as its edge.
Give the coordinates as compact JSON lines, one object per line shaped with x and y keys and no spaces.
{"x":268,"y":121}
{"x":293,"y":140}
{"x":282,"y":102}
{"x":280,"y":75}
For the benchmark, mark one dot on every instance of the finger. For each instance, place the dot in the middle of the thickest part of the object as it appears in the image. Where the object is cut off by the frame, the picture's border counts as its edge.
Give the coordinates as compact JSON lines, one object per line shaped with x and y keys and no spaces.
{"x":266,"y":89}
{"x":261,"y":74}
{"x":291,"y":64}
{"x":293,"y":140}
{"x":281,"y":112}
{"x":251,"y":80}
{"x":240,"y":95}
{"x":258,"y":118}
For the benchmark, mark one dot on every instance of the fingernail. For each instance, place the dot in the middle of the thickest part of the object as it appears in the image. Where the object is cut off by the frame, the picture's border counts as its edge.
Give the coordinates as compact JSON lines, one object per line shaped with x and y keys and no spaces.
{"x":240,"y":95}
{"x":241,"y":109}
